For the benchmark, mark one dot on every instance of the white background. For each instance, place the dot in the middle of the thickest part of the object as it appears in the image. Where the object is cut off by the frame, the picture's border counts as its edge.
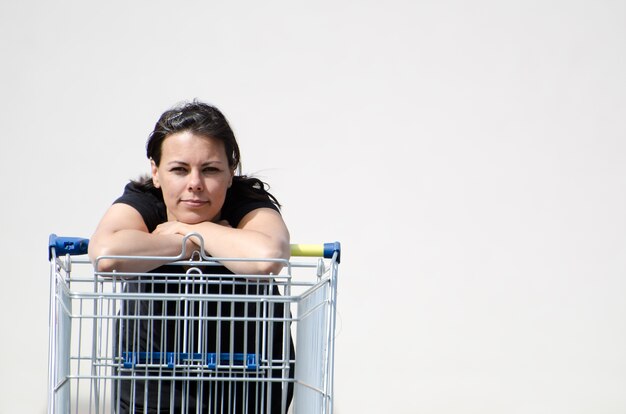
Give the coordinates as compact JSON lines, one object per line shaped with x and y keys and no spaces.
{"x":470,"y":156}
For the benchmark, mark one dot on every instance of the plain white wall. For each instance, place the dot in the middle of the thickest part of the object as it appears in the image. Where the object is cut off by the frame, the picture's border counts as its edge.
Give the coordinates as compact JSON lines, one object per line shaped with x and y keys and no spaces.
{"x":470,"y":156}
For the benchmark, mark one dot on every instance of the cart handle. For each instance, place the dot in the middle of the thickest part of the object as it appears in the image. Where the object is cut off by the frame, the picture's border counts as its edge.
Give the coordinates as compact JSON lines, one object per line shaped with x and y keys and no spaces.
{"x":77,"y":246}
{"x":67,"y":245}
{"x":326,"y":250}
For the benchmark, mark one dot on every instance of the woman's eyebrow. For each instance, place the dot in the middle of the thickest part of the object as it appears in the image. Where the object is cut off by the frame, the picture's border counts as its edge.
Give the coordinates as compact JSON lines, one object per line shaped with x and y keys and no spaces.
{"x":176,"y":162}
{"x":209,"y":162}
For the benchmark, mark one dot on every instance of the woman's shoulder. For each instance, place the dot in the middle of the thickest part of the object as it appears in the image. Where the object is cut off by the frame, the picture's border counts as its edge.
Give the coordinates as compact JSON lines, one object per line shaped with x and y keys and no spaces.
{"x":147,"y":200}
{"x":136,"y":192}
{"x":245,"y":195}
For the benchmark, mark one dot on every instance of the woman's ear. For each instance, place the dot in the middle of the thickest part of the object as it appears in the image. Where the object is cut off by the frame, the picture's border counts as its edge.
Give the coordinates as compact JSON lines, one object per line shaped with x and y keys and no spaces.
{"x":155,"y":173}
{"x":232,"y":174}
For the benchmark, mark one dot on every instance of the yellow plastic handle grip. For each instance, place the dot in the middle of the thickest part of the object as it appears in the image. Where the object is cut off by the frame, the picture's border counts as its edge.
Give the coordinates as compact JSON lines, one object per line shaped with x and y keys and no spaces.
{"x":308,"y":250}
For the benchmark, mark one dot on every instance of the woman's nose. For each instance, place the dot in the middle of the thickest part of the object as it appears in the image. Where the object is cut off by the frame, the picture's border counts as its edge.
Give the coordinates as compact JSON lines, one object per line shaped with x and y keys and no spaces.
{"x":195,"y":182}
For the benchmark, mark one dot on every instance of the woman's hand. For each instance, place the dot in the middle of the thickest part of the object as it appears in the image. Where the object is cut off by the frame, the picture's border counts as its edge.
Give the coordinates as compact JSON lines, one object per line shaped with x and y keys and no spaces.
{"x":182,"y":229}
{"x":171,"y":227}
{"x":176,"y":228}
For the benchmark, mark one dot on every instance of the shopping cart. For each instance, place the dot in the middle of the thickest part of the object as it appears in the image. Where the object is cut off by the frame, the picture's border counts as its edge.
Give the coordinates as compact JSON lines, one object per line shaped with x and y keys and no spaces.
{"x":190,"y":337}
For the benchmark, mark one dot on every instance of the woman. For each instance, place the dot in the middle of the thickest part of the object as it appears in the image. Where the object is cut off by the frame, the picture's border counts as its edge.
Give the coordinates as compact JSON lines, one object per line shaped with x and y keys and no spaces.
{"x":194,"y":158}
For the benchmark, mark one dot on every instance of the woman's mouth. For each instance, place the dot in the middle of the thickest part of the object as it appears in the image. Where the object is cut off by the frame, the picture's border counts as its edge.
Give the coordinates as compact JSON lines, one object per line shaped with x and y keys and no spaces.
{"x":194,"y":203}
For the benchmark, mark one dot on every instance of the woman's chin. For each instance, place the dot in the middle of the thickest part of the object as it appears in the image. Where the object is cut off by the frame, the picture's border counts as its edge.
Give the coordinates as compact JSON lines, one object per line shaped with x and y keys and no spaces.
{"x":191,"y":218}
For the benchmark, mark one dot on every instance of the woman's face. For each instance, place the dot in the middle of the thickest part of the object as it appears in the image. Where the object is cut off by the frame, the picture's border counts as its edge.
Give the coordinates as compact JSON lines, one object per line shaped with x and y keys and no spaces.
{"x":194,"y":176}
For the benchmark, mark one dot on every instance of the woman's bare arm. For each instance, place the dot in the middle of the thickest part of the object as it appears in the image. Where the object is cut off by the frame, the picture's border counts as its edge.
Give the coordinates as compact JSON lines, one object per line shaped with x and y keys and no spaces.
{"x":122,"y":231}
{"x":262,"y":233}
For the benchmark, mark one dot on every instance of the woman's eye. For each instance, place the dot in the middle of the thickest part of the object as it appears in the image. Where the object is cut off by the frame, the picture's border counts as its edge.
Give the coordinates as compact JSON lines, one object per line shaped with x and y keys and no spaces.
{"x":210,"y":170}
{"x":178,"y":170}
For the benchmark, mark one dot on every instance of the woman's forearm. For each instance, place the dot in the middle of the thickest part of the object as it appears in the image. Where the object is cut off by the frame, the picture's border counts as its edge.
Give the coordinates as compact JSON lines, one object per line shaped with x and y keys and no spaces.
{"x":225,"y":242}
{"x":134,"y":243}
